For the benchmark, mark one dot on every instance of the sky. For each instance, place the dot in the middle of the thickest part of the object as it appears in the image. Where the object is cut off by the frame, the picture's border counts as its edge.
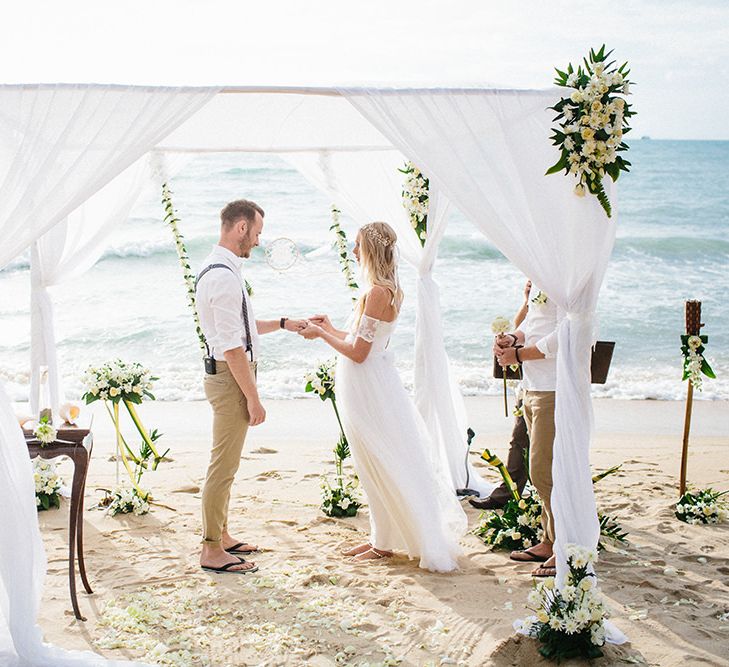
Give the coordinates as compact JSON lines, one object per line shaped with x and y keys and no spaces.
{"x":678,"y":50}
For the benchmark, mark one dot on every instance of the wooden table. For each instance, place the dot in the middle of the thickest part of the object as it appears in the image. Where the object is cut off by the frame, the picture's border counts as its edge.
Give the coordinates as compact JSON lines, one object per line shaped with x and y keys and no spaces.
{"x":76,"y":443}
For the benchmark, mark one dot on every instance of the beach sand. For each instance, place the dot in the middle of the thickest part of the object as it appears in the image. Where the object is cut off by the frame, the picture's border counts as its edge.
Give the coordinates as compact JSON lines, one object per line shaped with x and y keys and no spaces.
{"x":668,"y":587}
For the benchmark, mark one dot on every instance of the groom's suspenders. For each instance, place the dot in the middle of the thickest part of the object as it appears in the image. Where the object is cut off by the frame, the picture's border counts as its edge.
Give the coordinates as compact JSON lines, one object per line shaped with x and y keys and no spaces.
{"x":249,"y":343}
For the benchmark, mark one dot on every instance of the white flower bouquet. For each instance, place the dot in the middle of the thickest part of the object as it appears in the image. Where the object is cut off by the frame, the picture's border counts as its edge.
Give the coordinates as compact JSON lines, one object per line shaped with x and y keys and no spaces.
{"x":694,"y":363}
{"x":47,"y":484}
{"x":569,"y":623}
{"x":517,"y":527}
{"x":705,"y":506}
{"x":592,"y":121}
{"x":415,"y":199}
{"x":45,"y":432}
{"x":125,"y":500}
{"x":339,"y":500}
{"x":321,"y":380}
{"x":117,"y":381}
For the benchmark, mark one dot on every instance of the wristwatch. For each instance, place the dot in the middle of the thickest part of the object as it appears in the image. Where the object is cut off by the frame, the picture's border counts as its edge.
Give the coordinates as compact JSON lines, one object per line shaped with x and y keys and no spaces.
{"x":282,"y":322}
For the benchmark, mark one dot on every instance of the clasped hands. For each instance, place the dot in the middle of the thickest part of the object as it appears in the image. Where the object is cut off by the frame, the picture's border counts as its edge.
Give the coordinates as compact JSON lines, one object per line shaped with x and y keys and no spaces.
{"x":311,"y":327}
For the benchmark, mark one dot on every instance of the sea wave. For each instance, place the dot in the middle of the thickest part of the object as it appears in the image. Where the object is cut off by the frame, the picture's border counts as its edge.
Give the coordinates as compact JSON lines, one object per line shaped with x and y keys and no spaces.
{"x":674,"y":247}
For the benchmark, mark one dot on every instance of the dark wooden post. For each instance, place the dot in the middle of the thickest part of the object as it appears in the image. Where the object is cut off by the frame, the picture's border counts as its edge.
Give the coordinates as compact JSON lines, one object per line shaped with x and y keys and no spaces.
{"x":693,"y":327}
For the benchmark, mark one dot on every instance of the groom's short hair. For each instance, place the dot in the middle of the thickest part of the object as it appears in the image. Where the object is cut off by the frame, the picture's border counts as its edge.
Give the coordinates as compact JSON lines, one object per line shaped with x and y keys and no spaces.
{"x":238,"y":210}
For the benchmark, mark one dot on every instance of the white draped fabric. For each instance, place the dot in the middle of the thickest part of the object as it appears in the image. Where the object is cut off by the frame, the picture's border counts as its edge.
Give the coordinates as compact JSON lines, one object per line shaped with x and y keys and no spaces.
{"x":66,"y":250}
{"x":58,"y":146}
{"x":437,"y":394}
{"x":488,"y":152}
{"x":23,"y":561}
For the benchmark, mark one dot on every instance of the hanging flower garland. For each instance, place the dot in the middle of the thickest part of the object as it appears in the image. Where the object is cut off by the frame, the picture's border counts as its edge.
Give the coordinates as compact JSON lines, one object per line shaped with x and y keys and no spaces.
{"x":415,"y":199}
{"x":694,"y":363}
{"x":173,"y":221}
{"x":345,"y":261}
{"x":592,"y":122}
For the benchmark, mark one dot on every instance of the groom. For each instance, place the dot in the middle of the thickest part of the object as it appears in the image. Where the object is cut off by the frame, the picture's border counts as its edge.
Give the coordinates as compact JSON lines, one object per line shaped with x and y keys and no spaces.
{"x":231,"y":332}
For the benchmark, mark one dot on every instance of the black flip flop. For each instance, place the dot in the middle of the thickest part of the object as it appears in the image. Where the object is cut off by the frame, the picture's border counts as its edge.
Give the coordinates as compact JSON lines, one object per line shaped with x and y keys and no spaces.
{"x":533,"y":558}
{"x":226,"y":568}
{"x":236,"y":549}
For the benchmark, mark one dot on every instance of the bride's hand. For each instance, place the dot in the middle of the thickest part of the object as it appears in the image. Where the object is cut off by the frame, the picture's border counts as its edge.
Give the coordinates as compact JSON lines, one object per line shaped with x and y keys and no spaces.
{"x":311,"y":331}
{"x":322,"y":321}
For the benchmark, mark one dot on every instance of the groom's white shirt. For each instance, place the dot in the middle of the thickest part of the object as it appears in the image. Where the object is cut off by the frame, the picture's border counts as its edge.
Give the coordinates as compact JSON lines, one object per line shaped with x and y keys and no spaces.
{"x":219,"y":298}
{"x":540,"y":329}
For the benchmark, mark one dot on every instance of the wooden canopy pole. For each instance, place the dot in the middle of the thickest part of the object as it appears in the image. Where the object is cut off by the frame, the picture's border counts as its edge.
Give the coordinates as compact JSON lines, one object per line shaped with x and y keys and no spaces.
{"x":693,"y":326}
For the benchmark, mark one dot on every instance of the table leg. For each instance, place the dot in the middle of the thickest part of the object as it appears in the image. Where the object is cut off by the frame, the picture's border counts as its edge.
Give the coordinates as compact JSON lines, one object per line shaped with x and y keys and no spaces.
{"x":79,"y":474}
{"x":80,"y":532}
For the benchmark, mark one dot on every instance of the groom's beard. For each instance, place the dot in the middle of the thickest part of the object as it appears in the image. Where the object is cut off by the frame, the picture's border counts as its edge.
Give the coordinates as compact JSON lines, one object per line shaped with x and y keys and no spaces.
{"x":245,"y":247}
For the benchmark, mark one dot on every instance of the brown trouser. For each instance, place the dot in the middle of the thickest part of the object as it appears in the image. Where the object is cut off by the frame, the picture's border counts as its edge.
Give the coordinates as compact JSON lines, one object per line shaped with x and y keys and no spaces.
{"x":230,"y":424}
{"x":539,"y":416}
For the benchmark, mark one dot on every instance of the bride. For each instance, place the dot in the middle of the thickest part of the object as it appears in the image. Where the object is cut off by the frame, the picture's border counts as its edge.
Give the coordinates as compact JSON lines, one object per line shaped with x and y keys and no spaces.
{"x":412,"y":507}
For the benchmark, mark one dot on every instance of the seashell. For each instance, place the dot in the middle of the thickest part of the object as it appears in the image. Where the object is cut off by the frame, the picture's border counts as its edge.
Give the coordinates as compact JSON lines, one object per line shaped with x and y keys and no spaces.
{"x":24,"y":421}
{"x":69,"y":413}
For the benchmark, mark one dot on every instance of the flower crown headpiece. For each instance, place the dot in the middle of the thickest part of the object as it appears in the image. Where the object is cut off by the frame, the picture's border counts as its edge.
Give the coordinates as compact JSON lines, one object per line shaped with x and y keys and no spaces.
{"x":377,"y":237}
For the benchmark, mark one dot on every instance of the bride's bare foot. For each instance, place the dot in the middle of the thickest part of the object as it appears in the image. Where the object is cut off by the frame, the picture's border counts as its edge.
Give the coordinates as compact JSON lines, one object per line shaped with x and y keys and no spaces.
{"x":356,"y":551}
{"x":371,"y":554}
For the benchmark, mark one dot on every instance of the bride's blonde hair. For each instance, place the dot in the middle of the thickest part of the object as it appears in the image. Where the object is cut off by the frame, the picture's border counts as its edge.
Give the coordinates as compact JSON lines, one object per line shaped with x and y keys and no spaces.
{"x":378,"y":260}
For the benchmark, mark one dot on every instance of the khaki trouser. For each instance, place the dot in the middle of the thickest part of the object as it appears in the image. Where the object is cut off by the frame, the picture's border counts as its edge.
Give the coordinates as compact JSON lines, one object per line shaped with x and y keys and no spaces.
{"x":539,"y":416}
{"x":230,"y":425}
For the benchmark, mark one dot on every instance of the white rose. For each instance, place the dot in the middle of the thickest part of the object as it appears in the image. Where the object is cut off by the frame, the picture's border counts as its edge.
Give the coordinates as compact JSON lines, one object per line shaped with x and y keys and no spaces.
{"x":344,"y":503}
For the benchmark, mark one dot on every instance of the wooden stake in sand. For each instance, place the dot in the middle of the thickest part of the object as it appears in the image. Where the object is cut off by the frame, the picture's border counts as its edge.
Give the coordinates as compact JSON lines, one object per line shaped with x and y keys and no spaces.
{"x":693,"y":325}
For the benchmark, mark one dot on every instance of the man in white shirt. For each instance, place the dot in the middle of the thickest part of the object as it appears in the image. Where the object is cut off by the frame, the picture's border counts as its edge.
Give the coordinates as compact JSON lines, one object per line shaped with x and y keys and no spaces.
{"x":231,"y":332}
{"x":534,"y":345}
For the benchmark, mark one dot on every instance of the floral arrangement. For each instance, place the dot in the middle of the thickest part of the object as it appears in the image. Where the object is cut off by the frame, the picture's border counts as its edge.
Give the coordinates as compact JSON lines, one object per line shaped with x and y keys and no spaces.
{"x":127,"y":384}
{"x":694,"y":363}
{"x":340,"y":243}
{"x":569,"y":623}
{"x":338,"y":500}
{"x":47,"y":484}
{"x":321,"y":381}
{"x":124,"y":500}
{"x":118,"y":381}
{"x":45,"y":432}
{"x":517,"y":527}
{"x":592,"y":122}
{"x":540,"y":299}
{"x":706,"y":506}
{"x":415,"y":199}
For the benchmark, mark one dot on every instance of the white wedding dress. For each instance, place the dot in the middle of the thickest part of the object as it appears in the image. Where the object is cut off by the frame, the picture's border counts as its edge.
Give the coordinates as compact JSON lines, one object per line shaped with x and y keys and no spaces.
{"x":412,"y":506}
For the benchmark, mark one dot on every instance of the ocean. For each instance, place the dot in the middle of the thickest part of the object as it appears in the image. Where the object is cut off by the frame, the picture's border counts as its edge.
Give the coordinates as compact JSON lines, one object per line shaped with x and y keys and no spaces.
{"x":672,"y":245}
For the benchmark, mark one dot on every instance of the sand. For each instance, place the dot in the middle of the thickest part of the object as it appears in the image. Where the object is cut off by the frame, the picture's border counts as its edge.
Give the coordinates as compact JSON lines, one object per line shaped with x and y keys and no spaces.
{"x":668,"y":587}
